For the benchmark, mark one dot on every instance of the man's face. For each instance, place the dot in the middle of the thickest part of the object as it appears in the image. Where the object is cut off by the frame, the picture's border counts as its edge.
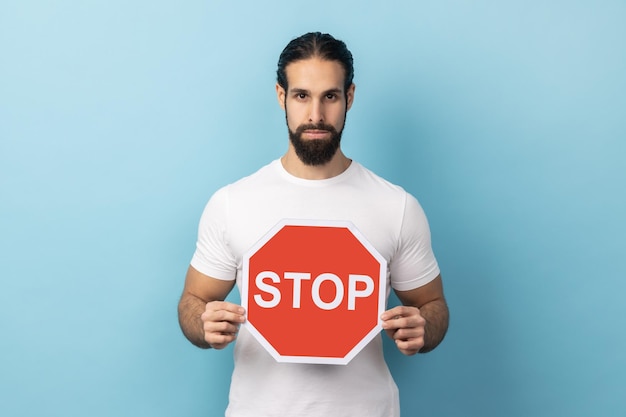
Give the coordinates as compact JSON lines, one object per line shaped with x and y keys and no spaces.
{"x":315,"y":108}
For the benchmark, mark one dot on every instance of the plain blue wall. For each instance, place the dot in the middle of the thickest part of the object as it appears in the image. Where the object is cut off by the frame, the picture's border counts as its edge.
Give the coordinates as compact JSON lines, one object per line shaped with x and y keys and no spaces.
{"x":119,"y":119}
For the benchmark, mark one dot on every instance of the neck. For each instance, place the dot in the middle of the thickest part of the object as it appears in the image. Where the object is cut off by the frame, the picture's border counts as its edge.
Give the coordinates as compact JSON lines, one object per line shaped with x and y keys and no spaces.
{"x":297,"y":168}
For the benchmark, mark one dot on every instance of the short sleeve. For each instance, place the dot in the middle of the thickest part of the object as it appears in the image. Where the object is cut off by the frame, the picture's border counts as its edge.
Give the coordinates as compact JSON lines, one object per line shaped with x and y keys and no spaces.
{"x":414,"y":263}
{"x":213,"y":256}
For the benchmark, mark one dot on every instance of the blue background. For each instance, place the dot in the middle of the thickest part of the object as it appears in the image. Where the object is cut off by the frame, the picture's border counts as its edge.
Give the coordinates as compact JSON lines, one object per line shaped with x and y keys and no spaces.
{"x":118,"y":120}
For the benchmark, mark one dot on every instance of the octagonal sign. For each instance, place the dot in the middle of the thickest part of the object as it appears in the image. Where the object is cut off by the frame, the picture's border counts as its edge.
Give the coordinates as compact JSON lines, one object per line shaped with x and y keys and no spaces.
{"x":313,"y":291}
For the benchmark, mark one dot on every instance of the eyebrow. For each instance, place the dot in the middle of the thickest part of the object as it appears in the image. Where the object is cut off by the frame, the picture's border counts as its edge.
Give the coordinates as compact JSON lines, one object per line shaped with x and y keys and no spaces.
{"x":303,"y":91}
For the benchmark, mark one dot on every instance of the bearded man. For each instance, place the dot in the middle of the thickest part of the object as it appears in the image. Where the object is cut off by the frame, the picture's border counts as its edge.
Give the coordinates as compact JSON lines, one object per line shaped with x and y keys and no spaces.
{"x":313,"y":180}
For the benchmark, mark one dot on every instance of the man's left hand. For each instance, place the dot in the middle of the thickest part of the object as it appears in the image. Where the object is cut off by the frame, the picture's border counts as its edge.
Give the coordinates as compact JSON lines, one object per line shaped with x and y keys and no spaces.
{"x":405,"y":325}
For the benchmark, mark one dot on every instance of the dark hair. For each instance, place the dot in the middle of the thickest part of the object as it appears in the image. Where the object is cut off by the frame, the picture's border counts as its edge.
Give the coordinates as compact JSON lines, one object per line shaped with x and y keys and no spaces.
{"x":315,"y":44}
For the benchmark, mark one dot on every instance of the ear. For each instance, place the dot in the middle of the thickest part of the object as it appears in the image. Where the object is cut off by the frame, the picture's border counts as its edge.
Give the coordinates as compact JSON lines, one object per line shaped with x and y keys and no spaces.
{"x":280,"y":95}
{"x":350,"y":96}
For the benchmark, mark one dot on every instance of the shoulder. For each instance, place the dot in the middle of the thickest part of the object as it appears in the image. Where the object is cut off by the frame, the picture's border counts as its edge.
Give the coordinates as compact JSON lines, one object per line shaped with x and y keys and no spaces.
{"x":220,"y":199}
{"x":388,"y":193}
{"x":247,"y":184}
{"x":377,"y":184}
{"x":263,"y":175}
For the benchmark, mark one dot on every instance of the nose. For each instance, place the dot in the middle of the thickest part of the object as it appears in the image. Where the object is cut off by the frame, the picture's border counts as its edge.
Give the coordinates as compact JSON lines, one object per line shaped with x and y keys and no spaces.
{"x":316,"y":113}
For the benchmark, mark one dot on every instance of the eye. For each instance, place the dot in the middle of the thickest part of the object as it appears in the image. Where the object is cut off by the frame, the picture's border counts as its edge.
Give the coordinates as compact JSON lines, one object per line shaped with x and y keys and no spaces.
{"x":331,"y":96}
{"x":301,"y":96}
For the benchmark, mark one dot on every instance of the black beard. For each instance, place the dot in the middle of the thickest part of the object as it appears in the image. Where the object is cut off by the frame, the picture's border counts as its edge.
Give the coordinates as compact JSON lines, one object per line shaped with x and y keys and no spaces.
{"x":315,"y":152}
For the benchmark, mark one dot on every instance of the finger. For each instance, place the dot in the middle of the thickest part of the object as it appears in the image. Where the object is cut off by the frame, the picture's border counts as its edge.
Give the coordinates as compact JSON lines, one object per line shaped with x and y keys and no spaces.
{"x":219,"y":341}
{"x":400,"y":322}
{"x":410,"y":333}
{"x":222,"y":315}
{"x":224,"y":306}
{"x":410,"y":347}
{"x":399,"y":311}
{"x":218,"y":334}
{"x":223,"y":311}
{"x":221,"y":327}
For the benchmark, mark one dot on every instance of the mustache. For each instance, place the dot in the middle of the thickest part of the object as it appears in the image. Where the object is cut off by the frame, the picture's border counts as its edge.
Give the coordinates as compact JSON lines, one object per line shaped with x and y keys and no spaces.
{"x":315,"y":126}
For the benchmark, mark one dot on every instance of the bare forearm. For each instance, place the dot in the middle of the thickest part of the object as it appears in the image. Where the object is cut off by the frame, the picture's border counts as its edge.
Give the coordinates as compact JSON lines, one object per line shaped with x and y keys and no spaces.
{"x":190,"y":308}
{"x":437,"y":316}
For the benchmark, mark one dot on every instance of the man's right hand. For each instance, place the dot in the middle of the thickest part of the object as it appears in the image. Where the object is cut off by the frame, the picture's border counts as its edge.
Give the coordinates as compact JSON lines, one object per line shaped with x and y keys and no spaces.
{"x":221,"y":321}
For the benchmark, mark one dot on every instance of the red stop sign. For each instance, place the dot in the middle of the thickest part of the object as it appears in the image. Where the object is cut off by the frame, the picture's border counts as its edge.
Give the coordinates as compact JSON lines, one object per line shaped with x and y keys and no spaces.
{"x":314,"y":291}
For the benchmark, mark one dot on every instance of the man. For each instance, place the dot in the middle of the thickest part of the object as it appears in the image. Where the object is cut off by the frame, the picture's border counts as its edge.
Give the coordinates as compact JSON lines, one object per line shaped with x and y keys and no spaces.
{"x":313,"y":180}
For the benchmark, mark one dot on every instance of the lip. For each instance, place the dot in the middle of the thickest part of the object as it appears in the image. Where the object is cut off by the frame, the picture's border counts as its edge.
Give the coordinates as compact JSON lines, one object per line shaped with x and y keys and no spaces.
{"x":316,"y":134}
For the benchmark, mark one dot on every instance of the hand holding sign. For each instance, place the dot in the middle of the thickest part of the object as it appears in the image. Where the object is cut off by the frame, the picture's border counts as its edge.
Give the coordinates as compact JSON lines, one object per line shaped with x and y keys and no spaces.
{"x":221,"y":323}
{"x":405,"y":325}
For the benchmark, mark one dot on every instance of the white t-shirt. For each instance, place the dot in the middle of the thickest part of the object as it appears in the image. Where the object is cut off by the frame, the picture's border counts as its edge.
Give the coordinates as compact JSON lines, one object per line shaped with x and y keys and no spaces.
{"x":238,"y":215}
